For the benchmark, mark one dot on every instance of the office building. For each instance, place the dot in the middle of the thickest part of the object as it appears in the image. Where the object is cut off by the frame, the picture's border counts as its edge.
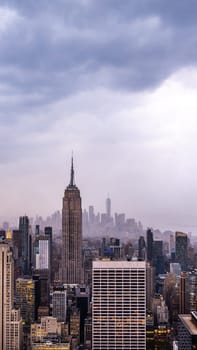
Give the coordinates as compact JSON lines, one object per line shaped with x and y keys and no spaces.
{"x":25,"y":299}
{"x":187,"y":331}
{"x":150,"y":286}
{"x":24,"y":229}
{"x":48,"y":231}
{"x":48,"y":326}
{"x":119,"y":305}
{"x":59,"y":308}
{"x":181,"y":242}
{"x":72,"y":234}
{"x":141,"y":249}
{"x":149,"y":244}
{"x":42,"y":268}
{"x":10,"y":320}
{"x":82,"y":302}
{"x":158,"y":258}
{"x":190,"y":279}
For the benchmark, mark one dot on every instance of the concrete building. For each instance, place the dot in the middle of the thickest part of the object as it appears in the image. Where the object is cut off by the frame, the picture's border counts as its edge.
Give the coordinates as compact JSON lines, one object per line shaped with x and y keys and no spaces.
{"x":59,"y":308}
{"x":48,"y":325}
{"x":187,"y":331}
{"x":72,"y":234}
{"x":119,"y":305}
{"x":10,"y":320}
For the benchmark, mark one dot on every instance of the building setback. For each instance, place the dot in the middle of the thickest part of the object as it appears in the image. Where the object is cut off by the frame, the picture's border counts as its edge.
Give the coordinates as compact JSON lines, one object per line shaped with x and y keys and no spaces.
{"x":72,"y":234}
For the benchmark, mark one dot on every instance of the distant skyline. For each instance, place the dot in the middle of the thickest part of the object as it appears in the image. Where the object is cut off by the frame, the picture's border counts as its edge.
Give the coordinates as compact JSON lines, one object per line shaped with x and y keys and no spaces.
{"x":116,"y":82}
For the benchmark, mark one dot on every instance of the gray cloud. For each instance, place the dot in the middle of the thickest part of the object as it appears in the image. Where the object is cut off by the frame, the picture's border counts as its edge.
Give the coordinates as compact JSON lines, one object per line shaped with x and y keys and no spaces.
{"x":53,"y":49}
{"x":72,"y":75}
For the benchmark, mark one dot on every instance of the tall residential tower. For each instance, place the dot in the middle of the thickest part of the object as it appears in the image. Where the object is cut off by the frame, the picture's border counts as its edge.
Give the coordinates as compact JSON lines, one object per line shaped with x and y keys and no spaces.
{"x":72,"y":234}
{"x":10,"y":320}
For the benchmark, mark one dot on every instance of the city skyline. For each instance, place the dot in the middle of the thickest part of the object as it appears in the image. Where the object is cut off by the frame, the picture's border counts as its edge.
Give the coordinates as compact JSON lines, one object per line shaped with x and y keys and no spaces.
{"x":117,"y":84}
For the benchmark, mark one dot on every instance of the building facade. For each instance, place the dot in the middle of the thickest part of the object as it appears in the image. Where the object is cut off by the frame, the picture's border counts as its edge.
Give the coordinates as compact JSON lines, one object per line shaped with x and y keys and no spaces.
{"x":119,"y":305}
{"x":25,"y":299}
{"x":10,"y":320}
{"x":24,"y":229}
{"x":181,"y":243}
{"x":59,"y":304}
{"x":72,"y":234}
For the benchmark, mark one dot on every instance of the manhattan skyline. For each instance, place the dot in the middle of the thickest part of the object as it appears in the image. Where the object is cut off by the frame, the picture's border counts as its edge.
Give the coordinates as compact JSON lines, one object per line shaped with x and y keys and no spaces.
{"x":116,"y":83}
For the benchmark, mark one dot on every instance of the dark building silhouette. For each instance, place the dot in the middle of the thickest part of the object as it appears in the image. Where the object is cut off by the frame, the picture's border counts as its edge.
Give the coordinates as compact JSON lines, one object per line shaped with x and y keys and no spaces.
{"x":42,"y":267}
{"x":49,"y":233}
{"x":141,"y":248}
{"x":82,"y":299}
{"x":24,"y":229}
{"x":181,"y":242}
{"x":2,"y":234}
{"x":158,"y":257}
{"x":149,"y":242}
{"x":17,"y":250}
{"x":72,"y":234}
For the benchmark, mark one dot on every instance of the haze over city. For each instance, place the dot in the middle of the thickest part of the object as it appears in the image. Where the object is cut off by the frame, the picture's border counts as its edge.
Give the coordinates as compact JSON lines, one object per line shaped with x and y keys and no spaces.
{"x":114,"y":81}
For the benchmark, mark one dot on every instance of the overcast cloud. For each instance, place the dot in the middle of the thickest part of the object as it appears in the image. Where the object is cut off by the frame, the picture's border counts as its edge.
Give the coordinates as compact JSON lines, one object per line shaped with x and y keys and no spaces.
{"x":116,"y":82}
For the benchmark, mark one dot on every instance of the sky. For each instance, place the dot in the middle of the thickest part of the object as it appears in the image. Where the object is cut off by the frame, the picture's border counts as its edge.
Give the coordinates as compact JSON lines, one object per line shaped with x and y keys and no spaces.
{"x":113,"y":81}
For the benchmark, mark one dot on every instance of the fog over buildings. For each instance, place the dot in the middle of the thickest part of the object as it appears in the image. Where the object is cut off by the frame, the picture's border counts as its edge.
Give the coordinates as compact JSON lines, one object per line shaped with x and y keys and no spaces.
{"x":116,"y":83}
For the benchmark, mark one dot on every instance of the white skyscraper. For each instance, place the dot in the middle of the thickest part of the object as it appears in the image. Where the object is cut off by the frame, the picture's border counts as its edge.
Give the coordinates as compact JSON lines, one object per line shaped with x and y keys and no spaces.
{"x":119,"y":305}
{"x":10,"y":320}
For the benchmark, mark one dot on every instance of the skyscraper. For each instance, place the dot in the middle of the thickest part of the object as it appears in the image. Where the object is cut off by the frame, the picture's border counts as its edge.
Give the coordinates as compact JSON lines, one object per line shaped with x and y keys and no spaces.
{"x":108,"y":207}
{"x":42,"y":268}
{"x":24,"y":229}
{"x":25,"y":298}
{"x":119,"y":305}
{"x":10,"y":320}
{"x":149,"y":242}
{"x":72,"y":234}
{"x":181,"y":242}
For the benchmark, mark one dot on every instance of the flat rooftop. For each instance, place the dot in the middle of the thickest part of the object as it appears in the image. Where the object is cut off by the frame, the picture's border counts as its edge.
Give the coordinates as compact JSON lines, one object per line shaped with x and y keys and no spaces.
{"x":189,"y":324}
{"x":120,"y":264}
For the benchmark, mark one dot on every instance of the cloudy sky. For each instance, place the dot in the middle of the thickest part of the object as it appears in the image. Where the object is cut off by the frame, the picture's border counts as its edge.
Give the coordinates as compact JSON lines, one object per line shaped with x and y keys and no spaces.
{"x":116,"y":82}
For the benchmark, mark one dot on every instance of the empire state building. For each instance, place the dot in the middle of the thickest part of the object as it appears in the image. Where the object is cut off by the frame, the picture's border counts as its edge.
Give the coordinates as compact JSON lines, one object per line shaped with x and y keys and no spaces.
{"x":72,"y":233}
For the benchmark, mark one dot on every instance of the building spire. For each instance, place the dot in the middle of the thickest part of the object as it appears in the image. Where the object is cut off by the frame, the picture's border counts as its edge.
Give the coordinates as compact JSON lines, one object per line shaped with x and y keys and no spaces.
{"x":72,"y":172}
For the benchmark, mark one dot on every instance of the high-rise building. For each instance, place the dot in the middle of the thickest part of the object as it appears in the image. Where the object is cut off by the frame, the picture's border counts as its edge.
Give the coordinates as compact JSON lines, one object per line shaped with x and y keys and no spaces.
{"x":24,"y":229}
{"x":181,"y":242}
{"x":82,"y":301}
{"x":25,"y":298}
{"x":72,"y":234}
{"x":158,"y":257}
{"x":91,"y":214}
{"x":10,"y":320}
{"x":149,"y":243}
{"x":141,"y":249}
{"x":190,"y":279}
{"x":150,"y":286}
{"x":49,"y":233}
{"x":119,"y":305}
{"x":42,"y":268}
{"x":108,"y":207}
{"x":59,"y":306}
